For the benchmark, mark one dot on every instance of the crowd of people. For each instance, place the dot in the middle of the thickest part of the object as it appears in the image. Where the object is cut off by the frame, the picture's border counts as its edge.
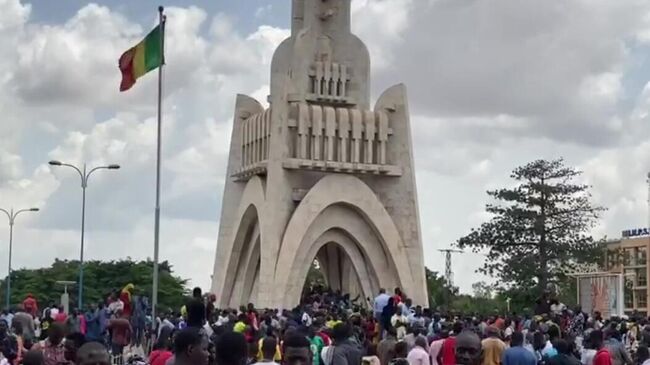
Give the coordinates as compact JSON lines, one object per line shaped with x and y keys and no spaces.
{"x":327,"y":328}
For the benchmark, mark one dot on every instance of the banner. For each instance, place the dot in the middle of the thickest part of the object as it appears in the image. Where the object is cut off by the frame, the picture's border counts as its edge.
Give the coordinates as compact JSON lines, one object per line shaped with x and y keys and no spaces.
{"x":601,"y":293}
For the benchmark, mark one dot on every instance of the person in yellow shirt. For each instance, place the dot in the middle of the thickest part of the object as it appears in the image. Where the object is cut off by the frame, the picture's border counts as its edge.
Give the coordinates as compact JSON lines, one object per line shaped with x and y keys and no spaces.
{"x":239,"y":327}
{"x":493,"y":347}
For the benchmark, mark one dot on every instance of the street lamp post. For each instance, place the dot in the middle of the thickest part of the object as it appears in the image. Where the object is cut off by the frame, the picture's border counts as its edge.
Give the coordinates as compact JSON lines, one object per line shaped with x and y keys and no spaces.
{"x":12,"y":219}
{"x":84,"y":183}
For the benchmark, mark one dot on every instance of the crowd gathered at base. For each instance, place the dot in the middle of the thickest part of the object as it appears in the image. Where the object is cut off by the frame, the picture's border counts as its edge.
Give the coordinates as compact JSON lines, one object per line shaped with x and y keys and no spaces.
{"x":328,"y":328}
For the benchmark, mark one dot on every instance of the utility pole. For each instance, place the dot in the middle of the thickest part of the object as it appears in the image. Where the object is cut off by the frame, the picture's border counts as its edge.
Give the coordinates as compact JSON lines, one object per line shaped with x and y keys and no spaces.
{"x":449,"y":274}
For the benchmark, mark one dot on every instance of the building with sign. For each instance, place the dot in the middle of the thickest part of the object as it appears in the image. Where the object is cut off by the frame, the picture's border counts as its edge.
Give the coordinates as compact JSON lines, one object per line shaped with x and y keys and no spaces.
{"x":629,"y":256}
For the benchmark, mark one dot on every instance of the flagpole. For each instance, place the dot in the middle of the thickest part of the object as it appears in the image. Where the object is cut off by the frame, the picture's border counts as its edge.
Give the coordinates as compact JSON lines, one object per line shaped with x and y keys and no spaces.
{"x":156,"y":240}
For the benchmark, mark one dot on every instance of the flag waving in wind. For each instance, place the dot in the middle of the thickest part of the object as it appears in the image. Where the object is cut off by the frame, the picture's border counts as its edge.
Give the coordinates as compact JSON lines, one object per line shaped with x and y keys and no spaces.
{"x":149,"y":55}
{"x":144,"y":57}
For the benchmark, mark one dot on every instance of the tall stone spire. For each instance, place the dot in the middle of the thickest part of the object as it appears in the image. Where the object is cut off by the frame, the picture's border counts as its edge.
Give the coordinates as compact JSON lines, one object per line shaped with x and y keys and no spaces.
{"x":330,"y":17}
{"x":326,"y":62}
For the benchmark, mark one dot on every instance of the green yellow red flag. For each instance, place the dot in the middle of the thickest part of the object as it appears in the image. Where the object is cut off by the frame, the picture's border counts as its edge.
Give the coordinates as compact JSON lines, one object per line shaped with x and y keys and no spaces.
{"x":144,"y":57}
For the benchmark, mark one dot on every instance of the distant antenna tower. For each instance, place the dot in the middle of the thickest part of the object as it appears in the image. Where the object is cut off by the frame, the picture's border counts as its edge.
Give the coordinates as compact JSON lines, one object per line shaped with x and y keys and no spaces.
{"x":449,"y":274}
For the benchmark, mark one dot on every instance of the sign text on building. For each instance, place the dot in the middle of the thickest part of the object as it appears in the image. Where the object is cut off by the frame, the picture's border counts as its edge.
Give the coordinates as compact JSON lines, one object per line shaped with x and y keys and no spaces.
{"x":636,"y":232}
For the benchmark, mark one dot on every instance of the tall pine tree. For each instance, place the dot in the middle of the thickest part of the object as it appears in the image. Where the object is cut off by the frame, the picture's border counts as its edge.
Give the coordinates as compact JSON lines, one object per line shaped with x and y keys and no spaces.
{"x":540,"y":229}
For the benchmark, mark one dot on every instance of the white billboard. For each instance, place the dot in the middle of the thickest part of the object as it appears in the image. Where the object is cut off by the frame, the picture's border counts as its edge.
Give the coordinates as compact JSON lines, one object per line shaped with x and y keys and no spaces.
{"x":601,"y":292}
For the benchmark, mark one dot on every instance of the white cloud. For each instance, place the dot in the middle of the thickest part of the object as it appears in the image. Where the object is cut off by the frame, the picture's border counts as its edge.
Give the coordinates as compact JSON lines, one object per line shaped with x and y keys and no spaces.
{"x":14,"y":14}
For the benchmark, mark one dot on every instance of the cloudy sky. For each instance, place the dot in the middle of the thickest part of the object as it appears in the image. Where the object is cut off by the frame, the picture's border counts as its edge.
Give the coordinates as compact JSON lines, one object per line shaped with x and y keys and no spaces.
{"x":493,"y":84}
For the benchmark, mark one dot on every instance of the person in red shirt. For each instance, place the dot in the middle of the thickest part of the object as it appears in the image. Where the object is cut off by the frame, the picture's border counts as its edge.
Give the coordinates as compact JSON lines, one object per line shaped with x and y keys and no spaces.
{"x":398,"y":297}
{"x":252,"y":317}
{"x":126,"y":297}
{"x":162,"y":350}
{"x":448,"y":351}
{"x":61,"y":317}
{"x":603,"y":357}
{"x":30,"y":305}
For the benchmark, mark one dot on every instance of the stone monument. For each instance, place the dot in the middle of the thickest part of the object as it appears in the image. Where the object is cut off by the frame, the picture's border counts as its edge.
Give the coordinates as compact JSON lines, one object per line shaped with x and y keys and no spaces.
{"x":319,"y":175}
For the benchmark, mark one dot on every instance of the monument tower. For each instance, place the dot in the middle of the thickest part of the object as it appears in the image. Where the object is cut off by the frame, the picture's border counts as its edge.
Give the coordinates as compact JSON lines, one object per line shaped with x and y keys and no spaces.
{"x":319,"y":175}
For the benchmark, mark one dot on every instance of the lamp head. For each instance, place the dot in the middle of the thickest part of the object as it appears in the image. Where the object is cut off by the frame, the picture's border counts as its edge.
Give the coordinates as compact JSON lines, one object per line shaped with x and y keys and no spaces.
{"x":55,"y":163}
{"x":34,"y":210}
{"x":113,"y":167}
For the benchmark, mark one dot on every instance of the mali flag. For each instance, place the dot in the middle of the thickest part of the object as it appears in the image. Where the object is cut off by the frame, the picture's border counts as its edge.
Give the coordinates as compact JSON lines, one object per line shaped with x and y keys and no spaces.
{"x":144,"y":57}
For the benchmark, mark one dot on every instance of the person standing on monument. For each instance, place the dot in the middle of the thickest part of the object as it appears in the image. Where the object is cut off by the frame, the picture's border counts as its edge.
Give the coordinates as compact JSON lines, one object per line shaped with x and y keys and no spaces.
{"x":387,"y":315}
{"x":378,"y":306}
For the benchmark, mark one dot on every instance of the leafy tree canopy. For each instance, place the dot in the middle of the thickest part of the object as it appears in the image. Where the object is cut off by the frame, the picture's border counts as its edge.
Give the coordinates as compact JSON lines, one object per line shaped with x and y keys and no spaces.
{"x":540,"y":227}
{"x":444,"y":298}
{"x":100,"y":279}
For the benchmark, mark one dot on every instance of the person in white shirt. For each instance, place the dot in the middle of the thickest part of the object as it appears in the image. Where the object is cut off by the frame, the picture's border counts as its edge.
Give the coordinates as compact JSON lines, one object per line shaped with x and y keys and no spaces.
{"x":306,"y":319}
{"x":223,"y":319}
{"x":400,"y":323}
{"x":380,"y":302}
{"x":419,"y":355}
{"x":115,"y":306}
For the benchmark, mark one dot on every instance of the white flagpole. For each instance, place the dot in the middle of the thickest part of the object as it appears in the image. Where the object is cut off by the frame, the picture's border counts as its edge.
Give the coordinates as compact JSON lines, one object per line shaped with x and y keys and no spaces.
{"x":156,"y":241}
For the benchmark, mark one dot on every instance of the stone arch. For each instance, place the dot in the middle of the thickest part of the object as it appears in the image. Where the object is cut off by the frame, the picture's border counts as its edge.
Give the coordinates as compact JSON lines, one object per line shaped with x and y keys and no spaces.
{"x":247,"y":241}
{"x":310,"y":220}
{"x":363,"y":269}
{"x":247,"y":270}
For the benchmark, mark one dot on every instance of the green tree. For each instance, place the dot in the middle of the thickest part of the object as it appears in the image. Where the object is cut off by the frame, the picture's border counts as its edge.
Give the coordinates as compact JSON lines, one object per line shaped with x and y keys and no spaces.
{"x":100,"y":279}
{"x":440,"y":294}
{"x":483,"y":290}
{"x":540,"y":227}
{"x":315,"y":276}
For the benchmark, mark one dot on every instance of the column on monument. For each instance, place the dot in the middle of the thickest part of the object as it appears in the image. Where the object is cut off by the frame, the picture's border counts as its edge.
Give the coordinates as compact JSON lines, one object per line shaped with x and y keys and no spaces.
{"x":336,"y":80}
{"x":258,"y":137}
{"x":303,"y":131}
{"x":344,"y":81}
{"x":344,"y":133}
{"x":316,"y":132}
{"x":246,"y":142}
{"x":254,"y":130}
{"x":382,"y":137}
{"x":250,"y":140}
{"x":351,"y":283}
{"x":334,"y":266}
{"x":330,"y":132}
{"x":370,"y":129}
{"x":242,"y":142}
{"x":357,"y":127}
{"x":327,"y":75}
{"x":319,"y":78}
{"x":265,"y":131}
{"x":321,"y":256}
